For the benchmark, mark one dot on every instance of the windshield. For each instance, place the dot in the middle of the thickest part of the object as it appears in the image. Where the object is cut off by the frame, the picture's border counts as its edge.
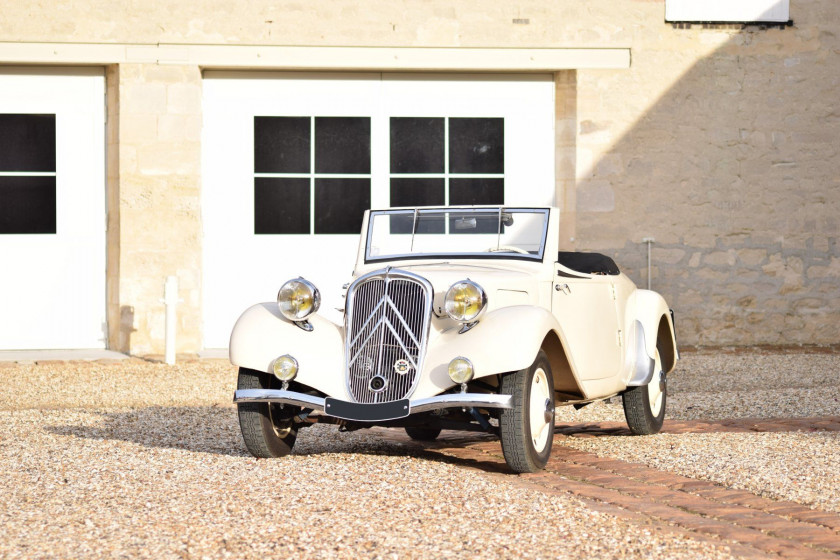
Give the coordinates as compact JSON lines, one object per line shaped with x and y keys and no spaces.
{"x":457,"y":232}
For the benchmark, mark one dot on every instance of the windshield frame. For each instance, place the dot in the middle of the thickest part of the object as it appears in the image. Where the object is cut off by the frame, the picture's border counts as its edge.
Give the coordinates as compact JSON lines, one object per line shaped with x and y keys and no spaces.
{"x":484,"y":210}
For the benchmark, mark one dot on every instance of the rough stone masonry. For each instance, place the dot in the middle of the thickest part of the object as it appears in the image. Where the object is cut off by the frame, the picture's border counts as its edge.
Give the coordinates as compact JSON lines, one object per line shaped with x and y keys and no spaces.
{"x":720,"y":142}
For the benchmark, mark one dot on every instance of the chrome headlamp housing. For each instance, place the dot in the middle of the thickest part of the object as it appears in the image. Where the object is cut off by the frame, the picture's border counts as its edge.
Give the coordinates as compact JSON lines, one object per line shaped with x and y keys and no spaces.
{"x":461,"y":370}
{"x":298,"y":299}
{"x":465,"y":301}
{"x":285,"y":368}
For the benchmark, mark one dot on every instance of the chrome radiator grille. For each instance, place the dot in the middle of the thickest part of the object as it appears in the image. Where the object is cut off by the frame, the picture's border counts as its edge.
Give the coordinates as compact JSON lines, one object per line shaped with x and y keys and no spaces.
{"x":388,"y":315}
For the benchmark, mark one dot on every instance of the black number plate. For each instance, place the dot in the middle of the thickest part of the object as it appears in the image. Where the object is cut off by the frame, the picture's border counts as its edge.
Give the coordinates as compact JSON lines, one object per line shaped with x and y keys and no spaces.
{"x":367,"y":412}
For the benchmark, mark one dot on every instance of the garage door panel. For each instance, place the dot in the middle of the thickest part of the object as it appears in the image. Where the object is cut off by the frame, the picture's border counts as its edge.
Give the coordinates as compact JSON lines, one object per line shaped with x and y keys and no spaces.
{"x":52,"y":289}
{"x":373,"y":140}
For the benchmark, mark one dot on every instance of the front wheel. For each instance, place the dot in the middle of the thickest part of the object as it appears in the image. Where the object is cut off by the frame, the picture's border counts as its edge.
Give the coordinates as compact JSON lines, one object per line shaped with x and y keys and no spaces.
{"x":268,"y":429}
{"x":644,"y":406}
{"x":527,"y":429}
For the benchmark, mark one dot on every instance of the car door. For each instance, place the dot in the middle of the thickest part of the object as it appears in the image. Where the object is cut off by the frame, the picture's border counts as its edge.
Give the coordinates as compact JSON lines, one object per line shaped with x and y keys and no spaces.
{"x":585,"y":307}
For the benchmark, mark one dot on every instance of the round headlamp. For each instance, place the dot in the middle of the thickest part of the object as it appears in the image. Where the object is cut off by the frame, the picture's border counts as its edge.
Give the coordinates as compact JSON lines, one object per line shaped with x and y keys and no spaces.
{"x":298,"y":299}
{"x":464,"y":301}
{"x":461,"y":370}
{"x":285,"y":368}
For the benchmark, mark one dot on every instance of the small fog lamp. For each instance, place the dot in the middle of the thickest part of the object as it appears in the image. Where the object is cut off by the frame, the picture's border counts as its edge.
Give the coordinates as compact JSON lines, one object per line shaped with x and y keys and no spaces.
{"x":461,"y":370}
{"x":464,"y":301}
{"x":298,"y":299}
{"x":285,"y":368}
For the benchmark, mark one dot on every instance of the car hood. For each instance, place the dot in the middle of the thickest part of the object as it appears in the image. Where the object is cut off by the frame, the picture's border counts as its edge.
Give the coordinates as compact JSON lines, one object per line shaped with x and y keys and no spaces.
{"x":503,"y":286}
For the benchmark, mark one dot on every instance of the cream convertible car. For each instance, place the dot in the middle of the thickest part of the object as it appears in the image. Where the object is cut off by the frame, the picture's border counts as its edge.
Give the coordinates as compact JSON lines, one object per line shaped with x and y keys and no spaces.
{"x":457,"y":318}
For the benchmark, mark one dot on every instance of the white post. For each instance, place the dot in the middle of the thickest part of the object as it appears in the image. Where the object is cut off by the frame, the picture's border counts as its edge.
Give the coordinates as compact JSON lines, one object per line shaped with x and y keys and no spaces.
{"x":649,"y":241}
{"x":170,"y":298}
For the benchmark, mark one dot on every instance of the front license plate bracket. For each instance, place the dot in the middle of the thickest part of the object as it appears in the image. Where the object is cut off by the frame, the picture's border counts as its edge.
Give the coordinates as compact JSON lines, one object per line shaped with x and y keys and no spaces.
{"x":361,"y":412}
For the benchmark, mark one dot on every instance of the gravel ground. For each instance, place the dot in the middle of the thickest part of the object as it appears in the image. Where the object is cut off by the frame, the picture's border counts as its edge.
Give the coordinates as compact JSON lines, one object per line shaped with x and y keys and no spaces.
{"x":799,"y":466}
{"x":140,"y":459}
{"x":144,"y":460}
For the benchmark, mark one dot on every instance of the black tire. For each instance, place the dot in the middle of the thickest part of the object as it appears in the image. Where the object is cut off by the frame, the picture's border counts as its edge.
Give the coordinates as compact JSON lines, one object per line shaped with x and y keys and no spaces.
{"x":268,"y":430}
{"x":643,"y":418}
{"x":422,"y":434}
{"x":523,"y":453}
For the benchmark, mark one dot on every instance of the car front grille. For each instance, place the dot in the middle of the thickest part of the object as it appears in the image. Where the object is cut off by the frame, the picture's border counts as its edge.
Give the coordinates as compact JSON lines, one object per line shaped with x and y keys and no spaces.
{"x":388,"y":313}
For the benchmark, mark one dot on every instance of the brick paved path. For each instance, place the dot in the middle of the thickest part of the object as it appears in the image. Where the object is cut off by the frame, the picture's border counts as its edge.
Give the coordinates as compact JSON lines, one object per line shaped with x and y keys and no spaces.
{"x":752,"y":526}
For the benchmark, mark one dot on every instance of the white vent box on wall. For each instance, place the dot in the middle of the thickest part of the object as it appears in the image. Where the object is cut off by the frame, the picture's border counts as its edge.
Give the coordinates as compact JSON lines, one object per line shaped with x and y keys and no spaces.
{"x":737,"y":11}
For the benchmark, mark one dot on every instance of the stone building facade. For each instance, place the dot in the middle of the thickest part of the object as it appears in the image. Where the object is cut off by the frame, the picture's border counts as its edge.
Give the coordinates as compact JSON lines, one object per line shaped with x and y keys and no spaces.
{"x":717,"y":141}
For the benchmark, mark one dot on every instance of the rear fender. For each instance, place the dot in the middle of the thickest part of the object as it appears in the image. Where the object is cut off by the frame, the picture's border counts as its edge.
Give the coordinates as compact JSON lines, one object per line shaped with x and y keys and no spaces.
{"x":648,"y":325}
{"x":262,"y":334}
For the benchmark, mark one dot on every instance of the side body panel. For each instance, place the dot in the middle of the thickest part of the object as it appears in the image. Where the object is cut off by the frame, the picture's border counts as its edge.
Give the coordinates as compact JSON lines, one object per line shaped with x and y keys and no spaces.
{"x":585,"y":307}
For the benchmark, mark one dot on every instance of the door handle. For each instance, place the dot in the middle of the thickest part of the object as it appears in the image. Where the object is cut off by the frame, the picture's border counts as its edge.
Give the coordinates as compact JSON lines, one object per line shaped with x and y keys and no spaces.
{"x":563,"y":288}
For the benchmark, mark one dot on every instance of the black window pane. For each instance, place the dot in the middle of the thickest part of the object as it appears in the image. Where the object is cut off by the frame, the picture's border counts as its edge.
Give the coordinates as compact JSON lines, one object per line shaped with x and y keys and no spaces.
{"x":417,"y":192}
{"x":281,"y":205}
{"x":27,"y":142}
{"x":281,"y":144}
{"x":27,"y":205}
{"x":477,"y":191}
{"x":476,"y":145}
{"x":417,"y":145}
{"x":342,"y":145}
{"x":340,"y":205}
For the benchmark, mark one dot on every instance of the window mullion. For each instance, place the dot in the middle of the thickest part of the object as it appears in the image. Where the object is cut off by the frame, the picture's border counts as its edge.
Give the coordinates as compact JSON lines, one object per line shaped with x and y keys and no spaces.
{"x":28,"y":174}
{"x":446,"y":170}
{"x":446,"y":161}
{"x":312,"y":177}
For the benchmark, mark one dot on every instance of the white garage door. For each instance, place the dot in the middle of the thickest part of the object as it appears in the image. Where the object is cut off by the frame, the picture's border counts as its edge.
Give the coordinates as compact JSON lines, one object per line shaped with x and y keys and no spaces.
{"x":52,"y":209}
{"x":291,"y":161}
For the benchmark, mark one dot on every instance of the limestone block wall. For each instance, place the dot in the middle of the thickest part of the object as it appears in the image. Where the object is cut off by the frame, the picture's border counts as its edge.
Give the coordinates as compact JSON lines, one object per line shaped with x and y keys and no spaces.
{"x":719,"y":142}
{"x":731,"y":163}
{"x":156,"y":160}
{"x":565,"y":153}
{"x":430,"y":23}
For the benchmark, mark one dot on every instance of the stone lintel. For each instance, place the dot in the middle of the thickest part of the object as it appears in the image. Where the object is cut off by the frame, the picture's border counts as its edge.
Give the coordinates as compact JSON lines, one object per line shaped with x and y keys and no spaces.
{"x":320,"y":58}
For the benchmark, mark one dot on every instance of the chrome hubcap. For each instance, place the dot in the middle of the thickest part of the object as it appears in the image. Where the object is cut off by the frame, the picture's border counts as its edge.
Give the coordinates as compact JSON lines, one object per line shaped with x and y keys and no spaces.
{"x":656,"y":387}
{"x":540,"y":411}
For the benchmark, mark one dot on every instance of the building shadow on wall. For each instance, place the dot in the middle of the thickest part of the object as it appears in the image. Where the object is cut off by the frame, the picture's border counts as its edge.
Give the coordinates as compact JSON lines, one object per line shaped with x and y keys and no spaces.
{"x":126,"y":329}
{"x":733,"y":172}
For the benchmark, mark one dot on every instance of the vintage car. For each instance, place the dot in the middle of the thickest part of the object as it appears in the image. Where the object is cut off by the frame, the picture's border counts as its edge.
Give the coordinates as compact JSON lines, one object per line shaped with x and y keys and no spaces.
{"x":456,"y":318}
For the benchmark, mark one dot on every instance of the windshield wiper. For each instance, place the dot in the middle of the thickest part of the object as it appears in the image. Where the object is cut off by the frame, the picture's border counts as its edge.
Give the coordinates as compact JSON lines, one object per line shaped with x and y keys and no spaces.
{"x":413,"y":231}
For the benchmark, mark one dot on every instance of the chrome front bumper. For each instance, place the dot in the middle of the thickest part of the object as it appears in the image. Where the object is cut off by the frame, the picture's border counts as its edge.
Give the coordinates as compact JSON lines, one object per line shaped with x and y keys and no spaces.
{"x":322,"y":404}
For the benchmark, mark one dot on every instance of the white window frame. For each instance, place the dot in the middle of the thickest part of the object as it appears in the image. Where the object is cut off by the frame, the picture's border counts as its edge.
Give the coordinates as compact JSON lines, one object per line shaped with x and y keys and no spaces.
{"x":727,"y":11}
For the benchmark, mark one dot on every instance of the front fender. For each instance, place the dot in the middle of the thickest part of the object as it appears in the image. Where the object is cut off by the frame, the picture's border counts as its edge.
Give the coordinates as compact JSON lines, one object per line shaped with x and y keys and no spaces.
{"x":504,"y":340}
{"x":262,"y":334}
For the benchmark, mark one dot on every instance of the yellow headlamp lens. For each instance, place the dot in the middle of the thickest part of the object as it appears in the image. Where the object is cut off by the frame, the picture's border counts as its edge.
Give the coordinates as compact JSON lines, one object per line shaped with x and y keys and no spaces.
{"x":465,"y":301}
{"x":285,"y":368}
{"x":298,"y":299}
{"x":461,"y":370}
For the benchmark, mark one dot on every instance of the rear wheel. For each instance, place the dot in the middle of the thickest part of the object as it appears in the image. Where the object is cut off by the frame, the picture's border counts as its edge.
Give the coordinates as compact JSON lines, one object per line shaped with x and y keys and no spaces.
{"x":527,"y":429}
{"x":268,"y":429}
{"x":644,"y":406}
